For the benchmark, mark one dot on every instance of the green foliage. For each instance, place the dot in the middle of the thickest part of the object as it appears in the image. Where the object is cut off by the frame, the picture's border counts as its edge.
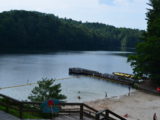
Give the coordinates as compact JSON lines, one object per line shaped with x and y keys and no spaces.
{"x":46,"y":90}
{"x":22,"y":31}
{"x":136,"y":86}
{"x":147,"y":60}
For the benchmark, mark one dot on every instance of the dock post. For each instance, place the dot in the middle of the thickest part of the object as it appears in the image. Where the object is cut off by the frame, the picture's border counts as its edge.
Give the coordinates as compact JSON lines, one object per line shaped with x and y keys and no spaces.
{"x":106,"y":114}
{"x":20,"y":110}
{"x":81,"y":112}
{"x":7,"y":105}
{"x":97,"y":116}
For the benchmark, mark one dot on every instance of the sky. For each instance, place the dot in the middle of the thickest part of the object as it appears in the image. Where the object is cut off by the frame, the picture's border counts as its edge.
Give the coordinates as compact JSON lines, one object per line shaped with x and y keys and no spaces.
{"x":119,"y":13}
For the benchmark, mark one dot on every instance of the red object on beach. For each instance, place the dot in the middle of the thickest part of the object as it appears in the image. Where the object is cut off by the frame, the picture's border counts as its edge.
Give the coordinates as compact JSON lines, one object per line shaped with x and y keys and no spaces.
{"x":158,"y":89}
{"x":126,"y":115}
{"x":50,"y":103}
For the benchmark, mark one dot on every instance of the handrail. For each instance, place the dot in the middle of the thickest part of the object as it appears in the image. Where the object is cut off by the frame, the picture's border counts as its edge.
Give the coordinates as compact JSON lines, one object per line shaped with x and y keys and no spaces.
{"x":105,"y":115}
{"x":82,"y":109}
{"x":121,"y":118}
{"x":21,"y":106}
{"x":72,"y":104}
{"x":90,"y":108}
{"x":7,"y":97}
{"x":101,"y":111}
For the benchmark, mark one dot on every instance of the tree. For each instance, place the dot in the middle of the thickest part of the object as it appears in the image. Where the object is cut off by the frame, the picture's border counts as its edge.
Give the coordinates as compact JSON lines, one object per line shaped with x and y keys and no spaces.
{"x":29,"y":31}
{"x":46,"y":90}
{"x":146,"y":61}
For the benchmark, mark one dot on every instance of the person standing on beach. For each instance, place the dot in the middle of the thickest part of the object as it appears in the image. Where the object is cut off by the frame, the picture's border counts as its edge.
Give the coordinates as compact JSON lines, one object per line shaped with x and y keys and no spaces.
{"x":129,"y":88}
{"x":154,"y":116}
{"x":106,"y":95}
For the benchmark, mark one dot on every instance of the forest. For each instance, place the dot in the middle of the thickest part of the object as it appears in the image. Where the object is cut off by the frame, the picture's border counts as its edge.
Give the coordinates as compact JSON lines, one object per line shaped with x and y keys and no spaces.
{"x":23,"y":31}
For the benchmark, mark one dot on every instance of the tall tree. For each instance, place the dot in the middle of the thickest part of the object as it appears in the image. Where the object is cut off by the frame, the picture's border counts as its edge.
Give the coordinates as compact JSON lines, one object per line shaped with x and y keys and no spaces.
{"x":146,"y":62}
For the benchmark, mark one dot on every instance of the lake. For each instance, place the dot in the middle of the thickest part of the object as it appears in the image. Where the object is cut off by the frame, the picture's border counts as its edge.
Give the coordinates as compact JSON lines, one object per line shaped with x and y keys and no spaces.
{"x":17,"y":69}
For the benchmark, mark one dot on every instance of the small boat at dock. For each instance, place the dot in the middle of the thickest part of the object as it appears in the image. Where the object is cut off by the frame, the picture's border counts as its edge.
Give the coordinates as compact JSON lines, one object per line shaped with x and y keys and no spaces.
{"x":123,"y":74}
{"x":128,"y":76}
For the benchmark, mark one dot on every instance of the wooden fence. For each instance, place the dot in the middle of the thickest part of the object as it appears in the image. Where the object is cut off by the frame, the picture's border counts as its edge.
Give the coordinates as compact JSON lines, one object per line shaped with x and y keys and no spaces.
{"x":34,"y":107}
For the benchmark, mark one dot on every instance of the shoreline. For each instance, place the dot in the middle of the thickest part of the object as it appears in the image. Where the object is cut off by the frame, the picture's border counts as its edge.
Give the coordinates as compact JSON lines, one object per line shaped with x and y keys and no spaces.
{"x":137,"y":106}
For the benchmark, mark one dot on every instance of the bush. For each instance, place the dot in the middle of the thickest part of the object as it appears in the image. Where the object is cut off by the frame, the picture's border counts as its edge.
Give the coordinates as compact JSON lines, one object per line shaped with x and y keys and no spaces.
{"x":46,"y":90}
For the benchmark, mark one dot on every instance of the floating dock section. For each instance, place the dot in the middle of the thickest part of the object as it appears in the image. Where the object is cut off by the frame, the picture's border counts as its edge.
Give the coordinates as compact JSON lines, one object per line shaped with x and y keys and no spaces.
{"x":106,"y":76}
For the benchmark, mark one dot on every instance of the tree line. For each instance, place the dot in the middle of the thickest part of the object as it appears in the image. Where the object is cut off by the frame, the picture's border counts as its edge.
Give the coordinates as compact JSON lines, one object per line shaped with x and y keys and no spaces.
{"x":146,"y":61}
{"x":22,"y":31}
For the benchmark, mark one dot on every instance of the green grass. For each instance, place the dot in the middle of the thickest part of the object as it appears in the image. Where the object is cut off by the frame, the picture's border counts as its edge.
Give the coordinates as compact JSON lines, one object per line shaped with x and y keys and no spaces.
{"x":26,"y":115}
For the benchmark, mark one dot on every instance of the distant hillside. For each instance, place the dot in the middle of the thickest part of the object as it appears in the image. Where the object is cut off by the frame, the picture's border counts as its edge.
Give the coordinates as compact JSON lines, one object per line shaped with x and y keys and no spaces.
{"x":33,"y":31}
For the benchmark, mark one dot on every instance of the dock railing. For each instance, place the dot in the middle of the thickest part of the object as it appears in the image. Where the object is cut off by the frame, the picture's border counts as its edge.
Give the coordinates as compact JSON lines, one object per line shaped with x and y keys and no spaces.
{"x":106,"y":114}
{"x":66,"y":108}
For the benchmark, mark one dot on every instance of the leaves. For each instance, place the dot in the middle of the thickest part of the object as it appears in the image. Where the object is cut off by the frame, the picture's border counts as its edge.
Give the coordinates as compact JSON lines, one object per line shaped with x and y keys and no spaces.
{"x":46,"y":90}
{"x":146,"y":62}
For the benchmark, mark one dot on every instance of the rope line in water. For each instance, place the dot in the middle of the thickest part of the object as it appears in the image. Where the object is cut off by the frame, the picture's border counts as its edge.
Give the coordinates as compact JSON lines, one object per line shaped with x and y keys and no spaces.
{"x":27,"y":84}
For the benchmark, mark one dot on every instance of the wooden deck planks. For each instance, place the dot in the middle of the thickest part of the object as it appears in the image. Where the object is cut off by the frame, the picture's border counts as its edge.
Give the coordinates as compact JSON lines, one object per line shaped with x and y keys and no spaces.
{"x":6,"y":116}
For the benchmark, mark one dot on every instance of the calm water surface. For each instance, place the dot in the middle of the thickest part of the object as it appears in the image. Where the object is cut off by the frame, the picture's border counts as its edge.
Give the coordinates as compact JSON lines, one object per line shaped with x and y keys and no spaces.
{"x":18,"y":69}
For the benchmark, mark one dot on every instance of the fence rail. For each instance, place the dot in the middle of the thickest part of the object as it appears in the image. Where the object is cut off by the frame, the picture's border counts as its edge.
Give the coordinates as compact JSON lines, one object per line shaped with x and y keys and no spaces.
{"x":106,"y":114}
{"x":34,"y":107}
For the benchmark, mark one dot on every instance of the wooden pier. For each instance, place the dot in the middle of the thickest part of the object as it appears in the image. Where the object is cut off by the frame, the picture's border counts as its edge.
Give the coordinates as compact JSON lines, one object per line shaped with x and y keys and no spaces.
{"x":106,"y":76}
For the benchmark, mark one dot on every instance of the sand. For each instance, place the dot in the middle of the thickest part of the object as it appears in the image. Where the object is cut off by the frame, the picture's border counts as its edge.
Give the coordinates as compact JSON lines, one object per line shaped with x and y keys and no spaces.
{"x":138,"y":106}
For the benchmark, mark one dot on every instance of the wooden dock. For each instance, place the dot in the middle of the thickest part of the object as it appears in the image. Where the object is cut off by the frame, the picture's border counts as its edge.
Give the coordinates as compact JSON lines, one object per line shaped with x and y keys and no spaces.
{"x":106,"y":76}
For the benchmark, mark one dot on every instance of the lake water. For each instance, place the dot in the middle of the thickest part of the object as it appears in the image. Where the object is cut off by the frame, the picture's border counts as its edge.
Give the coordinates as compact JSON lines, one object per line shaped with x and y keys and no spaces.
{"x":16,"y":69}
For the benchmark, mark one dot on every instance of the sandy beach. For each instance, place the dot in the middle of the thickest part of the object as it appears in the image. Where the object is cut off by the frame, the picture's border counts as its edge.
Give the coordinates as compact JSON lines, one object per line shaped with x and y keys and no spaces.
{"x":138,"y":106}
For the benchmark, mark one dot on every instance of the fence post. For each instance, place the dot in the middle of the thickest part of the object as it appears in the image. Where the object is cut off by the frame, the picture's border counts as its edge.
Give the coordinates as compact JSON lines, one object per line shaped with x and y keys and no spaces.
{"x":20,"y":110}
{"x":97,"y":116}
{"x":81,"y":112}
{"x":7,"y":105}
{"x":106,"y":114}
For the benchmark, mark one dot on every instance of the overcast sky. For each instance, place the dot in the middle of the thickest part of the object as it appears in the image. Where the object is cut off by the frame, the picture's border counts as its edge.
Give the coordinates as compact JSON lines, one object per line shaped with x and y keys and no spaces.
{"x":120,"y":13}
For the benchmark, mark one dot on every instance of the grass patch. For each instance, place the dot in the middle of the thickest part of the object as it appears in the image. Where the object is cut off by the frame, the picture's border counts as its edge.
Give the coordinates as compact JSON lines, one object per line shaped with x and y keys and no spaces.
{"x":25,"y":115}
